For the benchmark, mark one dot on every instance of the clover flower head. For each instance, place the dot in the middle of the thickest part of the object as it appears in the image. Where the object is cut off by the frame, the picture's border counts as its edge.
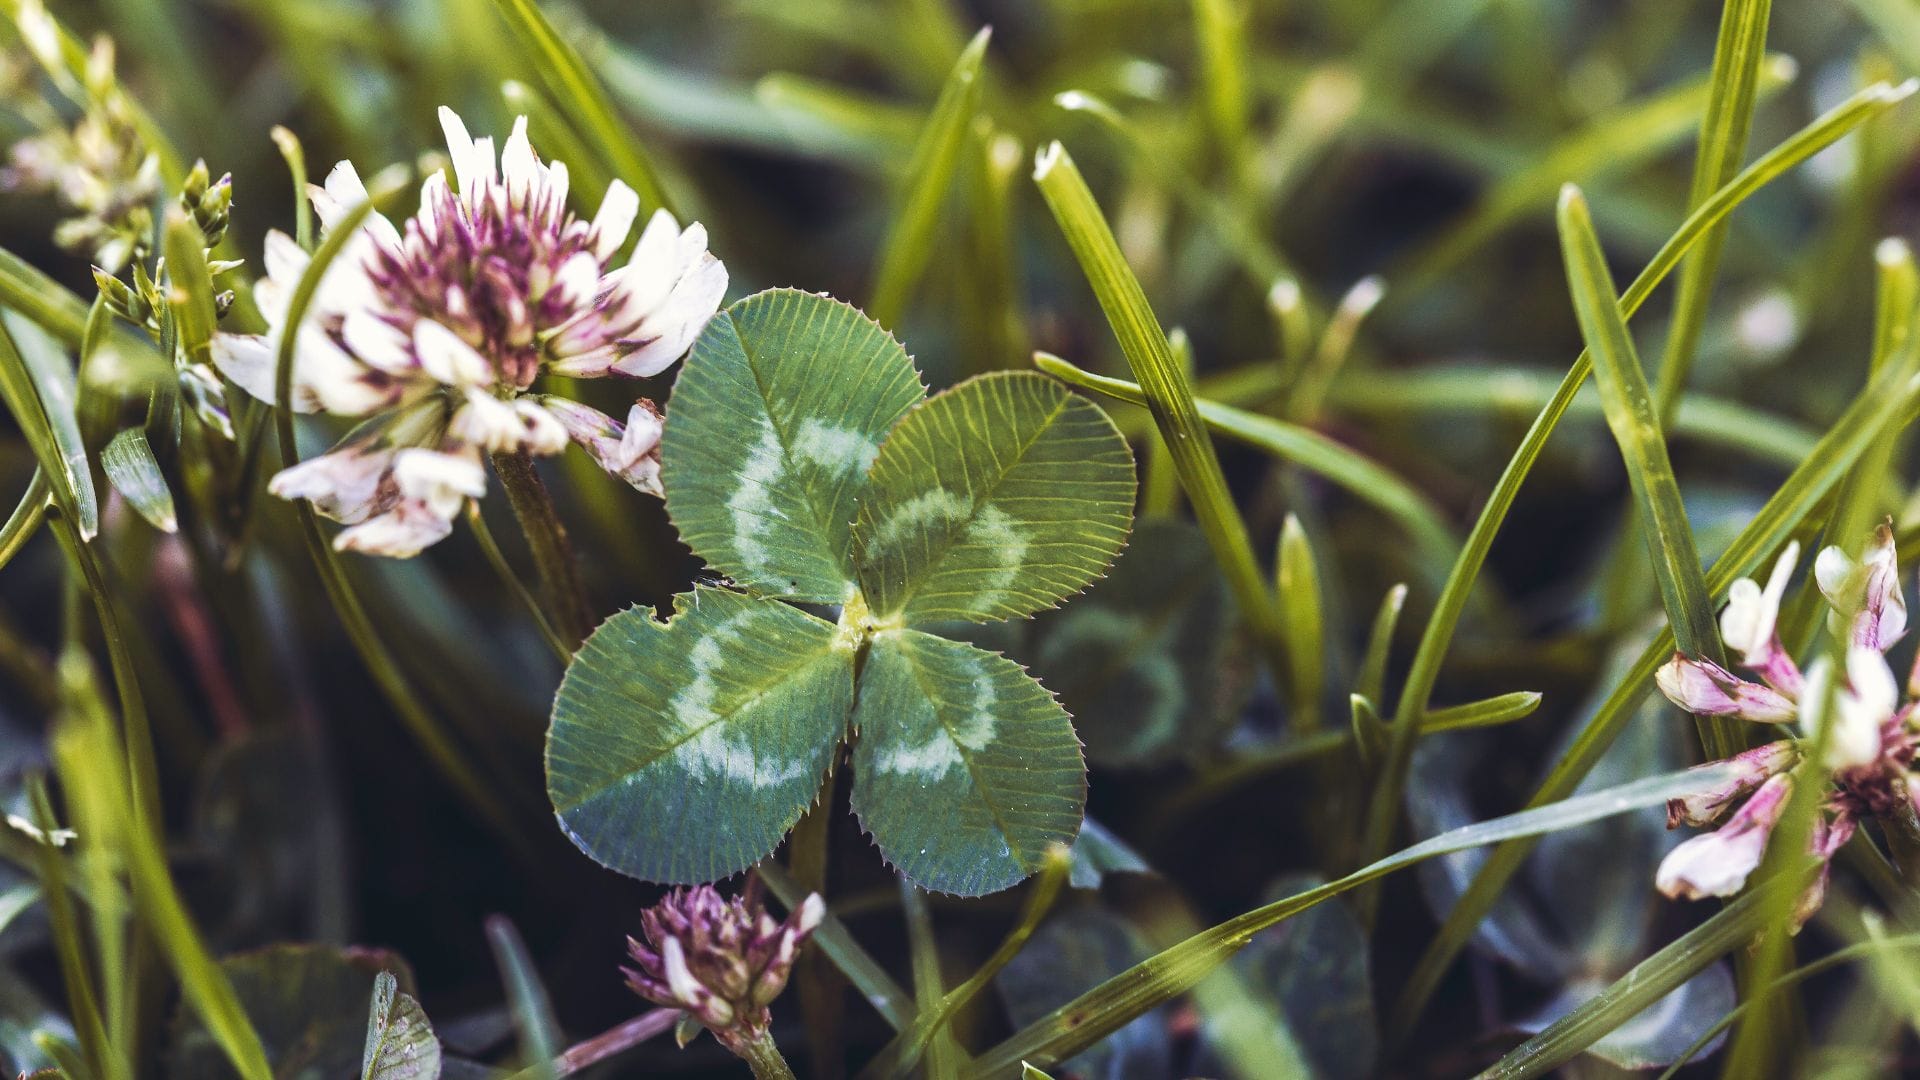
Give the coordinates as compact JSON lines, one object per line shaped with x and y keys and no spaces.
{"x":722,"y":961}
{"x":1852,"y":711}
{"x":440,"y":326}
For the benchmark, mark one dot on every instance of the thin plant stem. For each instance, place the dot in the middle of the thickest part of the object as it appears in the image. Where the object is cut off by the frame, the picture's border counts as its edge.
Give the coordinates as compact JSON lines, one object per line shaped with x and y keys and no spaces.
{"x":483,"y":536}
{"x":763,"y":1057}
{"x":820,"y":985}
{"x":552,"y":551}
{"x":607,"y":1045}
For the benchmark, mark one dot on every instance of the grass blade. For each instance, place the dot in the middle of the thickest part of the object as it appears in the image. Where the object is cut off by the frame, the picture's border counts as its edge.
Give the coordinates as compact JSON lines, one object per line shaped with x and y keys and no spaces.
{"x":1364,"y":478}
{"x":1106,"y":1008}
{"x":1297,"y":592}
{"x":128,"y":461}
{"x":41,"y":388}
{"x":1740,"y":67}
{"x":1166,"y":391}
{"x":1882,"y":403}
{"x":1487,"y":712}
{"x":581,"y":99}
{"x":526,"y":997}
{"x":1635,"y":421}
{"x":930,"y":173}
{"x":49,"y":304}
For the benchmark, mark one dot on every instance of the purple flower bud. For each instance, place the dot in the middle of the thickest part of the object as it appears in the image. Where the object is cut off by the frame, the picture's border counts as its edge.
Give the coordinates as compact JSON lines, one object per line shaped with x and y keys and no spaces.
{"x":721,"y":961}
{"x":1717,"y":863}
{"x":1753,"y":768}
{"x":1704,"y":688}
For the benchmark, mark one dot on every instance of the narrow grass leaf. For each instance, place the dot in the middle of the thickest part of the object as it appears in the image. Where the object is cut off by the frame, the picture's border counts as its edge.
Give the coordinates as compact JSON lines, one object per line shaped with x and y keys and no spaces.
{"x":40,"y":388}
{"x":929,"y":177}
{"x":128,"y":461}
{"x":189,"y":286}
{"x":1361,"y":476}
{"x":1104,"y":1009}
{"x":1168,"y":393}
{"x":1297,"y":590}
{"x":526,"y":997}
{"x":1488,"y":712}
{"x":1740,"y":68}
{"x":1635,"y":420}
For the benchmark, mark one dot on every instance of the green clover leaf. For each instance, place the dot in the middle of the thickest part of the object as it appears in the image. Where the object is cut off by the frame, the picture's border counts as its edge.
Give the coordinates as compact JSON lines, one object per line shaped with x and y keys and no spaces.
{"x":803,"y":460}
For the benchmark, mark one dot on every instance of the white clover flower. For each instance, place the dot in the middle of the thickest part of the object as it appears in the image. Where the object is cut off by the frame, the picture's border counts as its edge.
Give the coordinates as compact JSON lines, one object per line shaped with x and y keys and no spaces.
{"x":1750,"y":624}
{"x":439,"y":328}
{"x":1867,"y":591}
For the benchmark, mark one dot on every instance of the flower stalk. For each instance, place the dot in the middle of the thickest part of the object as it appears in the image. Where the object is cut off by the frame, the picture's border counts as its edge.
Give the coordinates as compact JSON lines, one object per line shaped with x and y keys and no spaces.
{"x":553,"y":558}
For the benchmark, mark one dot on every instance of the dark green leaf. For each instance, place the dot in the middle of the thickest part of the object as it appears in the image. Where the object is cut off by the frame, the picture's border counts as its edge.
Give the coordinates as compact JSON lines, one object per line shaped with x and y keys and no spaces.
{"x":773,"y":424}
{"x":965,"y":769}
{"x":683,"y":751}
{"x":1138,"y":660}
{"x":993,"y":500}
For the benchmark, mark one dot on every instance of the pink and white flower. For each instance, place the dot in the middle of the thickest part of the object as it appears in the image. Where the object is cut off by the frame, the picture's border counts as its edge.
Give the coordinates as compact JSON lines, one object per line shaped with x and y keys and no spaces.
{"x":1851,"y":711}
{"x":1718,"y":863}
{"x":439,"y":327}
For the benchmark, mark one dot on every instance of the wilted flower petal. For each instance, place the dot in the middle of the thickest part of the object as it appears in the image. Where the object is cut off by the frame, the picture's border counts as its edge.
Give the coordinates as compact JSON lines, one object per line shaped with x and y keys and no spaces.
{"x":1752,"y":768}
{"x":1718,"y":863}
{"x":1704,"y":688}
{"x":630,"y":451}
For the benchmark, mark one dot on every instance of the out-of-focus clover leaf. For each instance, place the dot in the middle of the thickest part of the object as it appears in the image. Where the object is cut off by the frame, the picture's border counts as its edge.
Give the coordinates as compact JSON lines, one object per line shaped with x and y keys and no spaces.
{"x":1097,"y":852}
{"x":1656,"y":1036}
{"x":1314,"y":967}
{"x":1573,"y":929}
{"x":1140,"y":659}
{"x":1069,"y":955}
{"x":308,"y":1003}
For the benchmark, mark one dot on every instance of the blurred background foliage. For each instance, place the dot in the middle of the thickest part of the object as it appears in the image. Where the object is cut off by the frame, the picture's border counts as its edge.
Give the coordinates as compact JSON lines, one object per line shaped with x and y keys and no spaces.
{"x":1346,"y":205}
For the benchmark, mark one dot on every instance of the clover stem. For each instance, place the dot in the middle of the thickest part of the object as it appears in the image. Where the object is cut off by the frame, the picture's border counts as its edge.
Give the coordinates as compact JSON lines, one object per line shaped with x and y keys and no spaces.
{"x":763,"y":1057}
{"x":547,"y":539}
{"x":821,"y":1002}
